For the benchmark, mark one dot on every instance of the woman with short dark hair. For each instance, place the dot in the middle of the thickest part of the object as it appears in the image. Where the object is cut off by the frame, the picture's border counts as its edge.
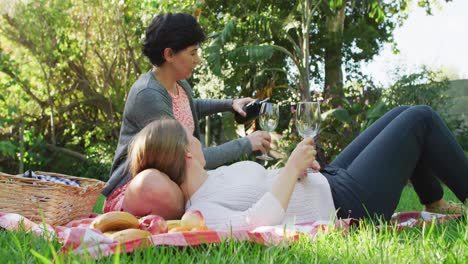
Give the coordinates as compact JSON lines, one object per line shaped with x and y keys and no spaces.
{"x":174,"y":31}
{"x":171,"y":44}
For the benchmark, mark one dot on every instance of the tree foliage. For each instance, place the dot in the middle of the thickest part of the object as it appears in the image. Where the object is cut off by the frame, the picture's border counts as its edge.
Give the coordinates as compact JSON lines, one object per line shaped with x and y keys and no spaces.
{"x":73,"y":68}
{"x":66,"y":68}
{"x":313,"y":39}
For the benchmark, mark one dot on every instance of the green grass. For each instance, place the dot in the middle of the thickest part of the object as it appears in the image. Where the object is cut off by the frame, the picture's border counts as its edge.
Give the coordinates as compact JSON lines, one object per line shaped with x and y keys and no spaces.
{"x":99,"y":204}
{"x":434,"y":243}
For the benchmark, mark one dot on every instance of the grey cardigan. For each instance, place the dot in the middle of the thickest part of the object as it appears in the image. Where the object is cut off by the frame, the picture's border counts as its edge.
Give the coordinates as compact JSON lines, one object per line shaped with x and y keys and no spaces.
{"x":147,"y":101}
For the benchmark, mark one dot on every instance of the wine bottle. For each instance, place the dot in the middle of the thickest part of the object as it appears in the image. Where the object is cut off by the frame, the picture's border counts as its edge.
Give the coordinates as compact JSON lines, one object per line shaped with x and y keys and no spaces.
{"x":252,"y":110}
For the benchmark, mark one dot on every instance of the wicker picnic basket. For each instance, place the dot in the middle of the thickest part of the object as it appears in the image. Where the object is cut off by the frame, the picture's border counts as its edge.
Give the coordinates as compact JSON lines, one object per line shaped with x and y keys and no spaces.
{"x":56,"y":203}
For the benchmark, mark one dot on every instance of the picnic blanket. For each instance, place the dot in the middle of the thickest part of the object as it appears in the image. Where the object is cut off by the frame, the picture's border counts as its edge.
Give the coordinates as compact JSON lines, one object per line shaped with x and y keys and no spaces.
{"x":80,"y":238}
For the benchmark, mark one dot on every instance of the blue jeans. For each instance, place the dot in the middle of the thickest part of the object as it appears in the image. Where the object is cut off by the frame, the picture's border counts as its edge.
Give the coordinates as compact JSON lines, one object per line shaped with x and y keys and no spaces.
{"x":407,"y":143}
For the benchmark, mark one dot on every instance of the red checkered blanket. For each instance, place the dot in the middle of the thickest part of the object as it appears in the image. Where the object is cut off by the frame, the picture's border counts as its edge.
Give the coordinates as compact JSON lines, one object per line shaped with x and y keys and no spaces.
{"x":80,"y":238}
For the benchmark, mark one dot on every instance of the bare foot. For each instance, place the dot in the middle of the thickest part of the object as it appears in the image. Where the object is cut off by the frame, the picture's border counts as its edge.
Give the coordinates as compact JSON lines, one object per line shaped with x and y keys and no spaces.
{"x":443,"y":207}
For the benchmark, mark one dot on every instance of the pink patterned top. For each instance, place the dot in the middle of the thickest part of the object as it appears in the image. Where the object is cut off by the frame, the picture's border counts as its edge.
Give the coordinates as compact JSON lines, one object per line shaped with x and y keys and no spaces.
{"x":181,"y":108}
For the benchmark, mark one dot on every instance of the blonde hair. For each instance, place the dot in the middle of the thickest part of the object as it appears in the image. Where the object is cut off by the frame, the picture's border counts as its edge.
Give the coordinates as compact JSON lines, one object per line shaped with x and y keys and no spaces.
{"x":160,"y":145}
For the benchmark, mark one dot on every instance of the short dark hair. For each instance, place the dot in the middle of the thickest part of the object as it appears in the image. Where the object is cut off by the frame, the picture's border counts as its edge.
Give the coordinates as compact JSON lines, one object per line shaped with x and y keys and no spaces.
{"x":176,"y":31}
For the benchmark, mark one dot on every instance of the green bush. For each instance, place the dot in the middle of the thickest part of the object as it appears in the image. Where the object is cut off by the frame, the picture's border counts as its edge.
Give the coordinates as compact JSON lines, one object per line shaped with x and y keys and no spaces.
{"x":423,"y":88}
{"x":342,"y":124}
{"x":429,"y":88}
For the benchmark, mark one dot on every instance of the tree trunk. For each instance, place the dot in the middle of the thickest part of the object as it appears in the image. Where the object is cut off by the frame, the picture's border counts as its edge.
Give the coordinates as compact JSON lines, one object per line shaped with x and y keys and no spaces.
{"x":334,"y":55}
{"x":21,"y":147}
{"x":69,"y":152}
{"x":305,"y":20}
{"x":50,"y":100}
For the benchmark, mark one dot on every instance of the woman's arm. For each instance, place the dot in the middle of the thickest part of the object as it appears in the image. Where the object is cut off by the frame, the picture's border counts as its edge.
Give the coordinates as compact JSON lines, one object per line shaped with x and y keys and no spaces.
{"x":301,"y":158}
{"x":205,"y":107}
{"x":232,"y":150}
{"x":227,"y":152}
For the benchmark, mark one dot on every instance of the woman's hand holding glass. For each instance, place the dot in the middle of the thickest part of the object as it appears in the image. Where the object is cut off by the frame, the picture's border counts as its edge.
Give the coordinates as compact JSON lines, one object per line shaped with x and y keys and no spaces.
{"x":303,"y":156}
{"x":308,"y":122}
{"x":260,"y":141}
{"x":269,"y":117}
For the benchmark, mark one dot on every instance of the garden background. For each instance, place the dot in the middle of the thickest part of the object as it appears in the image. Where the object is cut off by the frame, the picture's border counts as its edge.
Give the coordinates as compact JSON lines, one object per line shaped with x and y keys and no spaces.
{"x":66,"y":67}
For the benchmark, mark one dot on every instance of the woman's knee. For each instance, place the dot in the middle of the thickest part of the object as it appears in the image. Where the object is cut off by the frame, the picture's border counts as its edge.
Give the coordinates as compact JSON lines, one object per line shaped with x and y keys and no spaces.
{"x":150,"y":180}
{"x":153,"y":192}
{"x":421,"y":112}
{"x":155,"y":185}
{"x":423,"y":109}
{"x":401,"y":108}
{"x":396,"y":111}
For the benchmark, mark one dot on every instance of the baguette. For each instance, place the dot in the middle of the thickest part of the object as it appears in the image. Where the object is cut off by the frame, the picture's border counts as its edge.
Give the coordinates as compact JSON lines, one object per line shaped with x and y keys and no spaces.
{"x":126,"y":235}
{"x":115,"y":221}
{"x":172,"y":223}
{"x":178,"y":229}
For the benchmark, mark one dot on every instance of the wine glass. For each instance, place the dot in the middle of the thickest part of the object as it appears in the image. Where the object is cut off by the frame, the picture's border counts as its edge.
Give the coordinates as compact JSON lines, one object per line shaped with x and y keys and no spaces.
{"x":308,"y":121}
{"x":268,"y":120}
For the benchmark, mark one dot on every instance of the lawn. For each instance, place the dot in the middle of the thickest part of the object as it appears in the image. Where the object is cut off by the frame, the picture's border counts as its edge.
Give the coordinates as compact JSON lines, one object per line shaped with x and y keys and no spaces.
{"x":434,"y":243}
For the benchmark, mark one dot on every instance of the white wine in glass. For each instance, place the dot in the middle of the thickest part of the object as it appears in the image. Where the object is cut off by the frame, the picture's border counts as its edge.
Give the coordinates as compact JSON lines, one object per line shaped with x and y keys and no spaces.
{"x":308,"y":120}
{"x":268,"y":121}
